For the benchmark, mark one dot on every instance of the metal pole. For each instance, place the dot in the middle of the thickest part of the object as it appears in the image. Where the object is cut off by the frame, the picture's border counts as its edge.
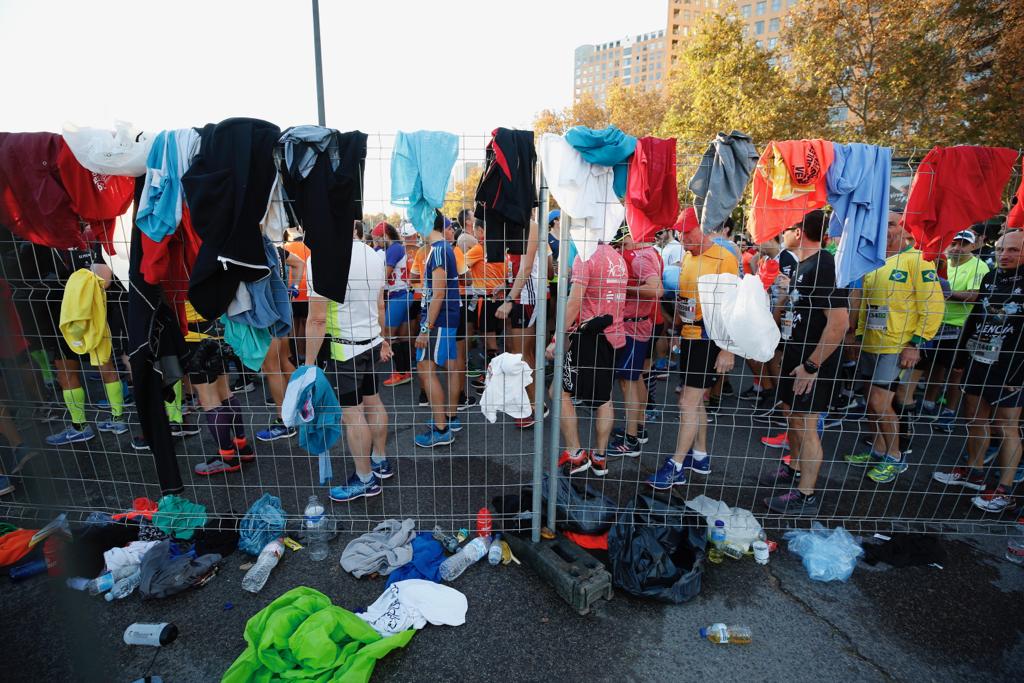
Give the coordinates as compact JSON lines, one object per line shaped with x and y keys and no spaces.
{"x":556,"y":403}
{"x":321,"y":117}
{"x":540,"y":363}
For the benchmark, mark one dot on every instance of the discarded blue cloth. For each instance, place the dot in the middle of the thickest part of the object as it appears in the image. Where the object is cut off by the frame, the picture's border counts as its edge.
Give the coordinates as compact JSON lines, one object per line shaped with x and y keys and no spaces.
{"x":250,"y":343}
{"x":161,"y":201}
{"x":311,"y":406}
{"x":427,"y":556}
{"x":606,"y":147}
{"x":265,"y":303}
{"x":421,"y":164}
{"x":261,"y":524}
{"x":858,"y":190}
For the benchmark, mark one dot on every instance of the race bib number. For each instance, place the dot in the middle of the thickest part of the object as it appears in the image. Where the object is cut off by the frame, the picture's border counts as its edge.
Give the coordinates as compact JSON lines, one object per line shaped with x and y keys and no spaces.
{"x":947,"y":331}
{"x":985,"y":348}
{"x":878,"y":317}
{"x":687,"y":310}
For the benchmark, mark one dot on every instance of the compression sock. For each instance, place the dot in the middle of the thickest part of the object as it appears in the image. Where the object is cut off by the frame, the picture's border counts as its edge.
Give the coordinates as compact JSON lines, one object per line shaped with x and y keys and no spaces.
{"x":115,"y":394}
{"x":74,"y":399}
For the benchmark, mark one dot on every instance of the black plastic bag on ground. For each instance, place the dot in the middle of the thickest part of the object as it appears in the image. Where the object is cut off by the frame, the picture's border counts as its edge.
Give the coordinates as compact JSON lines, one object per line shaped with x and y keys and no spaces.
{"x":580,"y":508}
{"x":656,"y":550}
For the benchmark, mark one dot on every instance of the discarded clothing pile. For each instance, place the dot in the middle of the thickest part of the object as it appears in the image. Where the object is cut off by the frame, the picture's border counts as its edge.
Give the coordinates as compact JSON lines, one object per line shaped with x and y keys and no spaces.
{"x":302,"y":636}
{"x":380,"y":551}
{"x":412,"y":604}
{"x":311,"y":405}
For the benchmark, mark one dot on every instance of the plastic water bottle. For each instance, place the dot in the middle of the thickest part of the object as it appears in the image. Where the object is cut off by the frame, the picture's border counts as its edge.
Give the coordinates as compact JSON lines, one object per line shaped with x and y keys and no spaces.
{"x":258,"y":574}
{"x":494,"y":554}
{"x":470,"y":554}
{"x":315,"y":528}
{"x":124,"y":587}
{"x":101,"y":584}
{"x":717,"y":538}
{"x":722,"y":634}
{"x":448,"y":541}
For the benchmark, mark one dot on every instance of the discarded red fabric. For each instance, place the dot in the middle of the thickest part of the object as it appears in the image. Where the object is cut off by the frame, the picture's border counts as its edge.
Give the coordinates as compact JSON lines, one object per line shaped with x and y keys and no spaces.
{"x":1015,"y":219}
{"x":588,"y":541}
{"x":167,"y":263}
{"x":952,"y":189}
{"x":141,"y":507}
{"x":789,"y":183}
{"x":33,"y":201}
{"x":14,"y":546}
{"x":652,"y":196}
{"x":12,"y":341}
{"x":687,"y":220}
{"x":97,"y":199}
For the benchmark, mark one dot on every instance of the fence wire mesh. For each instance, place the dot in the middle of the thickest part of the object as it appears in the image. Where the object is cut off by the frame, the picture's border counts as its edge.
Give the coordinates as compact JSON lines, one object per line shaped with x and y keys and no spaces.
{"x":447,"y":484}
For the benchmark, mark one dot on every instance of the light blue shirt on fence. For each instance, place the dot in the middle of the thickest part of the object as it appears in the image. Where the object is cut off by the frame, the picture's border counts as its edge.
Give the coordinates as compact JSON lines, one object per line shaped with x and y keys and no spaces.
{"x":858,"y":190}
{"x":421,"y":164}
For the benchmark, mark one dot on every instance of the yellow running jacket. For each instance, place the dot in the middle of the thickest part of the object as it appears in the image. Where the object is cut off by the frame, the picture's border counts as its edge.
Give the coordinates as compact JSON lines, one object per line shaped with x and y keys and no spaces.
{"x":83,"y":316}
{"x":902,"y":302}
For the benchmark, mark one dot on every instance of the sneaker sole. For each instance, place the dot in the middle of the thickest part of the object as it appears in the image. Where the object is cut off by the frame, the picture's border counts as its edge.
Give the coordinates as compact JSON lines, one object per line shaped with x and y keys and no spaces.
{"x":581,"y":468}
{"x":455,"y":429}
{"x":460,"y":408}
{"x":660,"y":487}
{"x":141,"y":449}
{"x":984,"y":508}
{"x":185,"y":433}
{"x":364,"y":494}
{"x":115,"y":432}
{"x":598,"y":473}
{"x":526,"y":425}
{"x":220,"y":471}
{"x":629,"y":454}
{"x":71,"y":441}
{"x":959,"y":482}
{"x":273,"y":438}
{"x":696,"y":471}
{"x":865,"y":463}
{"x":776,"y":446}
{"x":382,"y":476}
{"x":435,"y":444}
{"x":396,"y":384}
{"x":248,"y":388}
{"x":8,"y":489}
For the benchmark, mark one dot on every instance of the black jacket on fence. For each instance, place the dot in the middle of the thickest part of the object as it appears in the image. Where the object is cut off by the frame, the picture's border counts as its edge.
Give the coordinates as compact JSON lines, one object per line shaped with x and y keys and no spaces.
{"x":227,"y":188}
{"x":327,"y":202}
{"x":508,"y":191}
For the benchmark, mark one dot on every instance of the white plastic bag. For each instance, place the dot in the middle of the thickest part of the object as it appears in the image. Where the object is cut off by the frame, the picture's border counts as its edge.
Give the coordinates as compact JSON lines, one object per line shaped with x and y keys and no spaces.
{"x":741,"y":527}
{"x":737,"y":315}
{"x":122,"y":151}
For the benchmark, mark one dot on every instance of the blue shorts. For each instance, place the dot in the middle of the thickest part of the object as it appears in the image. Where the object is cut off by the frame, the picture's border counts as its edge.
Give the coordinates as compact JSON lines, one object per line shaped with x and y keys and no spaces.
{"x":630,"y":359}
{"x":441,"y":347}
{"x":398,"y":305}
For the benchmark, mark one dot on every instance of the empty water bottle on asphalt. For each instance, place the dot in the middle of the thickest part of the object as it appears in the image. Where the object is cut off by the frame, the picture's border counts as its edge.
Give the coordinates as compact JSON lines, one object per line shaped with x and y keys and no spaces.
{"x":448,"y":541}
{"x":123,"y":587}
{"x":722,"y":634}
{"x":470,"y":554}
{"x":257,"y":576}
{"x":315,"y":529}
{"x":101,"y":584}
{"x":494,"y":554}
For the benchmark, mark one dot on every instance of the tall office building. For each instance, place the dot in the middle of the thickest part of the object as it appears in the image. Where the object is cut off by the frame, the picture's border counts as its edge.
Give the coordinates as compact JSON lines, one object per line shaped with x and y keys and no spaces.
{"x":634,"y":60}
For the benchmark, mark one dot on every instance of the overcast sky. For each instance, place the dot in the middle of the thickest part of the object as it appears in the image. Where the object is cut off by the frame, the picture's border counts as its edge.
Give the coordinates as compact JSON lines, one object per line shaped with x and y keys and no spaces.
{"x":464,"y":66}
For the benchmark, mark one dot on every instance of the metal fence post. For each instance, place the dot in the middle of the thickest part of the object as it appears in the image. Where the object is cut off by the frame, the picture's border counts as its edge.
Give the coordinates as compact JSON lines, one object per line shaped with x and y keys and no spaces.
{"x":540,"y":361}
{"x":556,"y":403}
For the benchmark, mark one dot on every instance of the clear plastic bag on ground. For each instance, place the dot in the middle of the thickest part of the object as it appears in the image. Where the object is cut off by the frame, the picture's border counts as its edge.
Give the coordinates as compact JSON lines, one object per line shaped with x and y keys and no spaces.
{"x":828,"y":554}
{"x":263,"y":523}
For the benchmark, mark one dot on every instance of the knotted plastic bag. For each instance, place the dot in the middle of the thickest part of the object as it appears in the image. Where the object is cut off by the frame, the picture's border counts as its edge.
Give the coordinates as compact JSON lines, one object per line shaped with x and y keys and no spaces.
{"x":828,"y":555}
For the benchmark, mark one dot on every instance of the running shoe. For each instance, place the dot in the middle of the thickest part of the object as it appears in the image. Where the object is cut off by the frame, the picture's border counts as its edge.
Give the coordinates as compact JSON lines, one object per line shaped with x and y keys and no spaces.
{"x":993,"y":500}
{"x":598,"y":464}
{"x":961,"y":476}
{"x":5,"y":485}
{"x":945,"y":421}
{"x":71,"y":435}
{"x":479,"y":383}
{"x":793,"y":502}
{"x":355,"y":488}
{"x":847,"y":404}
{"x":864,"y":459}
{"x":783,"y":476}
{"x":422,"y":400}
{"x":432,"y":437}
{"x":242,"y":385}
{"x":887,"y":470}
{"x":652,"y":415}
{"x":929,"y":413}
{"x":22,"y":456}
{"x":184,"y":429}
{"x":397,"y":379}
{"x":524,"y":422}
{"x":112,"y":426}
{"x":623,"y":445}
{"x":713,"y":404}
{"x":754,"y":393}
{"x":466,"y":402}
{"x":382,"y":469}
{"x":780,"y":441}
{"x":697,"y":465}
{"x":668,"y":475}
{"x":642,"y":435}
{"x":455,"y":424}
{"x":833,"y":420}
{"x":139,"y":443}
{"x":224,"y":462}
{"x":771,"y":416}
{"x":574,"y":462}
{"x":275,"y":432}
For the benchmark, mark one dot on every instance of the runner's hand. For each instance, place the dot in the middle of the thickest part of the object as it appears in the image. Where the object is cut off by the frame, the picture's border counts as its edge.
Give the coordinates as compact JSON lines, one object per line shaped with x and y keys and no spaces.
{"x":549,"y":352}
{"x":909,"y":357}
{"x":503,"y":310}
{"x":385,"y":351}
{"x":804,"y":382}
{"x":724,"y":362}
{"x":422,"y":341}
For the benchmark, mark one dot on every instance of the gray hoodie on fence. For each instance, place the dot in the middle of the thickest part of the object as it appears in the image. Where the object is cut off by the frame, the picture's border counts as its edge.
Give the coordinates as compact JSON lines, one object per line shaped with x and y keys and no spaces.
{"x":382,"y":550}
{"x":722,"y":177}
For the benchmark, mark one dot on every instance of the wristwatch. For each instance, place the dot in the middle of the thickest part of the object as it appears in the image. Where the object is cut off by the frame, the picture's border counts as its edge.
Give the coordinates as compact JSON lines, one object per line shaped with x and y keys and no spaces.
{"x":810,"y":366}
{"x":424,"y":329}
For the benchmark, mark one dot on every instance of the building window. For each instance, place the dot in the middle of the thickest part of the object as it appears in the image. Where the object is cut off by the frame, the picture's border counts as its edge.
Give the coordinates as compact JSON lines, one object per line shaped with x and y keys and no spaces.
{"x":773,"y":25}
{"x":759,"y":43}
{"x":838,"y":114}
{"x":686,"y":30}
{"x":772,"y":42}
{"x":745,"y":11}
{"x":776,"y":5}
{"x":758,"y":27}
{"x":761,"y":7}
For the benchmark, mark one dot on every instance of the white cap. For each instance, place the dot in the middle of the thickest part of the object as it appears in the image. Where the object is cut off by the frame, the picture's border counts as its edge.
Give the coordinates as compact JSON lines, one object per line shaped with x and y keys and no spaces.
{"x":407,"y":230}
{"x":965,"y":235}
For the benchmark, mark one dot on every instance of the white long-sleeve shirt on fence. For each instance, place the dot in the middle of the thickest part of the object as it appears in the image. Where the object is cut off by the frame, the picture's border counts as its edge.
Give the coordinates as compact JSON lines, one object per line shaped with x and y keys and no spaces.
{"x":508,"y":375}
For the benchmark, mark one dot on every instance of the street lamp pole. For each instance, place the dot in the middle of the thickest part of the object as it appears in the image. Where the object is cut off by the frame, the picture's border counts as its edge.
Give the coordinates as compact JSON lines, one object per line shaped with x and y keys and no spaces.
{"x":319,"y":64}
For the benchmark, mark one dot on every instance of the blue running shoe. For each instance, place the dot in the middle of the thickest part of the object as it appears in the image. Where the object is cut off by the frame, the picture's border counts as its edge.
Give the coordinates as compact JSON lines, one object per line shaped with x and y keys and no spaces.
{"x":383,"y":469}
{"x":275,"y":432}
{"x":652,"y":415}
{"x":432,"y":437}
{"x":454,"y":423}
{"x":355,"y":488}
{"x":697,"y":465}
{"x":667,"y":476}
{"x":623,"y":445}
{"x":945,"y":421}
{"x":112,"y":426}
{"x":71,"y":435}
